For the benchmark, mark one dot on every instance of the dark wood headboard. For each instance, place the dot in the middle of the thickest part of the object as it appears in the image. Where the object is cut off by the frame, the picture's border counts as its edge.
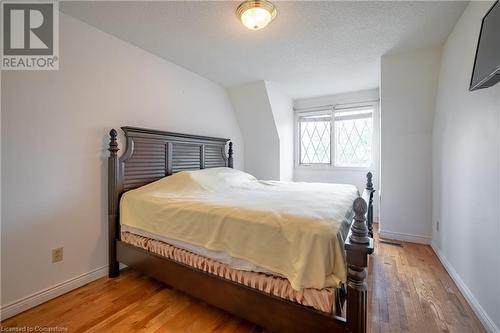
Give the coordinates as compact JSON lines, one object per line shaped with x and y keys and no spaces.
{"x":150,"y":155}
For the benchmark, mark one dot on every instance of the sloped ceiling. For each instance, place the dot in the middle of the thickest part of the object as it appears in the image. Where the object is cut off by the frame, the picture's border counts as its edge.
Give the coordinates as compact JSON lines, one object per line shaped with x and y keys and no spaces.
{"x":311,"y":48}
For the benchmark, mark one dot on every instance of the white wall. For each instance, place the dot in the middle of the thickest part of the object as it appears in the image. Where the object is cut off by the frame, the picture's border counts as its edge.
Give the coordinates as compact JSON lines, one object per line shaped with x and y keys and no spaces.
{"x":466,"y":154}
{"x":331,"y":174}
{"x":265,"y":116}
{"x":282,"y":109}
{"x":1,"y":214}
{"x":255,"y":117}
{"x":54,"y":140}
{"x":407,"y":88}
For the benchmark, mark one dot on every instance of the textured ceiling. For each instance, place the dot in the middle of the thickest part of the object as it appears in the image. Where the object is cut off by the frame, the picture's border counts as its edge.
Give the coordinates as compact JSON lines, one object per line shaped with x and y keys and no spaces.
{"x":310,"y":49}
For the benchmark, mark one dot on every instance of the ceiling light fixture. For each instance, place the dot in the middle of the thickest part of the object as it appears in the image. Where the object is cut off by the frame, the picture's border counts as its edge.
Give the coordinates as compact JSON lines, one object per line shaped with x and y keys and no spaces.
{"x":256,"y":14}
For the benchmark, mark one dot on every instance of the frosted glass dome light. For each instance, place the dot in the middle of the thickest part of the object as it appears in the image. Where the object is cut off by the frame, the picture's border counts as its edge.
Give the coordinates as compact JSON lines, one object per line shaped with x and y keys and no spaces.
{"x":256,"y":14}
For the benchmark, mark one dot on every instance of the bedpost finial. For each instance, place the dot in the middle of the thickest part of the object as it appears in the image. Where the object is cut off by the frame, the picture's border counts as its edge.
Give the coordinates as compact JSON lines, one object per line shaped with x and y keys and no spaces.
{"x":230,"y":155}
{"x":369,"y":183}
{"x":360,"y":207}
{"x":113,"y":143}
{"x":359,"y":229}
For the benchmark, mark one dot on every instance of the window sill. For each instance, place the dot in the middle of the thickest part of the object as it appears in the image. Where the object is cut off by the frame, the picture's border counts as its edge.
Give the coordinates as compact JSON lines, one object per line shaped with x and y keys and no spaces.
{"x":330,"y":167}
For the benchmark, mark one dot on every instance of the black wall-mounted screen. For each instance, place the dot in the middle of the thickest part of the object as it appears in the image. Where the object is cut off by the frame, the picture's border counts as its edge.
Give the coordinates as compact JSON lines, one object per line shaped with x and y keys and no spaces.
{"x":486,"y":72}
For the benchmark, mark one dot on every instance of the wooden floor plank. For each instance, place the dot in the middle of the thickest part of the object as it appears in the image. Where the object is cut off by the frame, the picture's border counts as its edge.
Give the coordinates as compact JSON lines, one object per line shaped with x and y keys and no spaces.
{"x":409,"y":291}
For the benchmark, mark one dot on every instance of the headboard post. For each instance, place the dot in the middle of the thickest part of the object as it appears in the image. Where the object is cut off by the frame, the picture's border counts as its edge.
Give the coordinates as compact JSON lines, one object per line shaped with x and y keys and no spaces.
{"x":230,"y":155}
{"x":113,"y":169}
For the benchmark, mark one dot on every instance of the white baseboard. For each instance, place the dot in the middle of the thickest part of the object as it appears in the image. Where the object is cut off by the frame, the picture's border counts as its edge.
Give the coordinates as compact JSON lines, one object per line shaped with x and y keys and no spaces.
{"x":47,"y":294}
{"x":487,"y":322}
{"x":404,"y":237}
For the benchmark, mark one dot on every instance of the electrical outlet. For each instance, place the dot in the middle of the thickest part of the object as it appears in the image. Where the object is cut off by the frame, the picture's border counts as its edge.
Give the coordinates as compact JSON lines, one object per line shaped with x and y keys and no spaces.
{"x":57,"y":255}
{"x":437,"y":225}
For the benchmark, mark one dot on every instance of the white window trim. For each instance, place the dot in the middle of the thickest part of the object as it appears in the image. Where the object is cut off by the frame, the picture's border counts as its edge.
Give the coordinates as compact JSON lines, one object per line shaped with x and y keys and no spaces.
{"x":374,"y":105}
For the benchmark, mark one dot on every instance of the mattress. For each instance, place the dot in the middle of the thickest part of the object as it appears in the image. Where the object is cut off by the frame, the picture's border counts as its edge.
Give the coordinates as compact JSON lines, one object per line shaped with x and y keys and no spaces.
{"x":319,"y":299}
{"x":294,"y":230}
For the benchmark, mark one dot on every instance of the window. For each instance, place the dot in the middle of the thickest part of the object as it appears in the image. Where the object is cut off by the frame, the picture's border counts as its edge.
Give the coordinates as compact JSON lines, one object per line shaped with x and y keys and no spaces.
{"x":348,"y":137}
{"x":353,"y":137}
{"x":315,"y":136}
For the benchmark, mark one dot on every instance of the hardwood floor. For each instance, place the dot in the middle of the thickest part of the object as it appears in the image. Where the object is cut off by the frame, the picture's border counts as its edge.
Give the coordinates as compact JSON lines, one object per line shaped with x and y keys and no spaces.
{"x":409,"y":292}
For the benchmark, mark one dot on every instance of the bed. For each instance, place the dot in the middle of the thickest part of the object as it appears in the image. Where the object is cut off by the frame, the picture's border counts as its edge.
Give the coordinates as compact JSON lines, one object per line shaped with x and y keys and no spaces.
{"x":281,"y":255}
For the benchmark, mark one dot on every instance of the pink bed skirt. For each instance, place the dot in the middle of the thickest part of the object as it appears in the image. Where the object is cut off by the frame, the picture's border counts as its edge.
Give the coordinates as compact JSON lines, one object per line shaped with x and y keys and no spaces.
{"x":320,"y":299}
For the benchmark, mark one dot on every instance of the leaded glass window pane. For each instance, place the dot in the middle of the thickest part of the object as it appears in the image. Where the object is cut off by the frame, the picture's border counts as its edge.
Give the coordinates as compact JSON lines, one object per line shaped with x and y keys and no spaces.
{"x":353,"y":138}
{"x":315,"y":136}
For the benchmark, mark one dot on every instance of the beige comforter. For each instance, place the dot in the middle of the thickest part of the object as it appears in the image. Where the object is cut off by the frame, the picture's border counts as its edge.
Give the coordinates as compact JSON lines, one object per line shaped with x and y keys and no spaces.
{"x":293,"y":229}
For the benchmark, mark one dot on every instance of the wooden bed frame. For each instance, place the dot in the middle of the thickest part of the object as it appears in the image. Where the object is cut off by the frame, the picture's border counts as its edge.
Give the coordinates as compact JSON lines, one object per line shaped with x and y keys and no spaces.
{"x":151,"y":155}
